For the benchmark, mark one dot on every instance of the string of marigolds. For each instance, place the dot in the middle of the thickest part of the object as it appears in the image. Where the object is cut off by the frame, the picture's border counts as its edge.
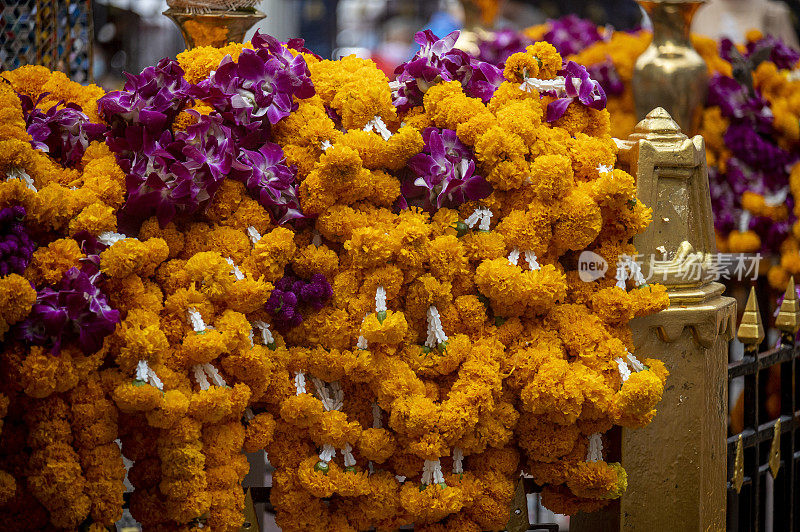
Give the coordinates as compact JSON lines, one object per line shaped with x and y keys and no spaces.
{"x":252,"y":248}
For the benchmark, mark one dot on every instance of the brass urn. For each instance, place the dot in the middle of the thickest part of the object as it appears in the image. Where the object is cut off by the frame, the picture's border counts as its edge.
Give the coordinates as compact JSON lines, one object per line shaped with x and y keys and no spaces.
{"x":213,"y":22}
{"x":670,"y":73}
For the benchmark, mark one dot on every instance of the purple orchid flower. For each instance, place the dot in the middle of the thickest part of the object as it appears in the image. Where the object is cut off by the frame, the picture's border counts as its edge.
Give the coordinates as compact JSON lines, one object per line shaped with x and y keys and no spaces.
{"x":177,"y":175}
{"x":606,"y":75}
{"x":261,"y":86}
{"x":153,"y":99}
{"x":503,"y":44}
{"x":438,"y":60}
{"x":577,"y":84}
{"x":445,"y":172}
{"x":75,"y":310}
{"x":269,"y":178}
{"x":63,"y":132}
{"x":768,"y":48}
{"x":757,"y":151}
{"x":724,"y":201}
{"x":572,"y":34}
{"x":737,"y":102}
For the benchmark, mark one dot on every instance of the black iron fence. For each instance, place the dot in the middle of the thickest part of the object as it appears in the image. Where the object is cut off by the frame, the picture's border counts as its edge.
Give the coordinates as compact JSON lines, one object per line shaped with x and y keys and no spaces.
{"x":762,"y":449}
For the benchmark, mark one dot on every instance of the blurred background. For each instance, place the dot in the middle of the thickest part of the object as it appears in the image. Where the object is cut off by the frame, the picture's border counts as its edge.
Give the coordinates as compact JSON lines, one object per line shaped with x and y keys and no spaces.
{"x":131,"y":34}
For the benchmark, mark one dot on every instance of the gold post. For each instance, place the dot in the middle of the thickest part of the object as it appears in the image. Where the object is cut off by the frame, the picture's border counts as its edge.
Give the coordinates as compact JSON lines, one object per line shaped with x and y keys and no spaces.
{"x":677,"y":465}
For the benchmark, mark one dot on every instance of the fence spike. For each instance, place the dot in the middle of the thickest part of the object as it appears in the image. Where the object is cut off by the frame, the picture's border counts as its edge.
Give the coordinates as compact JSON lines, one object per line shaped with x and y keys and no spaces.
{"x":751,"y":329}
{"x":250,"y":523}
{"x":788,"y":319}
{"x":738,"y":467}
{"x":775,"y":450}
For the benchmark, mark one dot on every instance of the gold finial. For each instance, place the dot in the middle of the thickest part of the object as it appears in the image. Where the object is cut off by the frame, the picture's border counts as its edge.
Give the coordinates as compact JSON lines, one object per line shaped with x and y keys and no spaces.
{"x":738,"y":467}
{"x":775,"y":450}
{"x":751,"y":330}
{"x":658,"y":124}
{"x":250,"y":523}
{"x":788,"y":319}
{"x":518,"y":521}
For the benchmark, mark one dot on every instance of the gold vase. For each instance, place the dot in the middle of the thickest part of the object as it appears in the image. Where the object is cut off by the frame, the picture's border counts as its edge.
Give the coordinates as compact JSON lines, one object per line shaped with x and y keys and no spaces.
{"x":670,"y":73}
{"x":216,"y":28}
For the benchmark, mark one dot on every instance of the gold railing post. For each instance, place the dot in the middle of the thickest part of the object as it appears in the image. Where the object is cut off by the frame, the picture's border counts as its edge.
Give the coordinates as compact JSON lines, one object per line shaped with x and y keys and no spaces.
{"x":676,"y":465}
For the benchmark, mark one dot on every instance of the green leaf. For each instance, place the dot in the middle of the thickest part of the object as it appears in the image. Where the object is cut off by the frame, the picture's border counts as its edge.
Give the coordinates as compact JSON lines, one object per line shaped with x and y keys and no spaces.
{"x":322,"y":467}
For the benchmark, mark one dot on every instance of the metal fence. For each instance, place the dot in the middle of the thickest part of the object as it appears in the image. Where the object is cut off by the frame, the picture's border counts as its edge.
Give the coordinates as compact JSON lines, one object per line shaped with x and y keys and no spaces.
{"x":52,"y":33}
{"x":763,"y":442}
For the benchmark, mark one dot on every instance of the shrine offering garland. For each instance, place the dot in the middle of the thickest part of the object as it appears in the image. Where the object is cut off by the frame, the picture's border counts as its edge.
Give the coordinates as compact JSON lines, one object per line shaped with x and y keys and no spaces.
{"x":750,"y":125}
{"x":251,"y":248}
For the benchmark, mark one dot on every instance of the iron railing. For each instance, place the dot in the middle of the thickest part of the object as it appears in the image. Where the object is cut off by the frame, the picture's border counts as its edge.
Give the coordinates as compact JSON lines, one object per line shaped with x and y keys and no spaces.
{"x":763,"y":453}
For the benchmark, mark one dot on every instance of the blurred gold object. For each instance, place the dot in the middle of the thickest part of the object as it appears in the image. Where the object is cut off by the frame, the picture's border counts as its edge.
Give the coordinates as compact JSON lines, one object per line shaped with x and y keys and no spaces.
{"x":670,"y":73}
{"x":476,"y":26}
{"x":214,"y":28}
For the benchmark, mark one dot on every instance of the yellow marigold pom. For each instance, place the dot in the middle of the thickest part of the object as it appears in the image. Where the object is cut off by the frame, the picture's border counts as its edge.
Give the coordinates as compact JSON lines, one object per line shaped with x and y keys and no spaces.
{"x":131,"y":256}
{"x":746,"y":242}
{"x":95,"y":219}
{"x":8,"y":487}
{"x":259,"y":432}
{"x":579,"y":223}
{"x":598,"y":480}
{"x":634,"y":404}
{"x":386,"y":327}
{"x":560,"y":499}
{"x":17,"y":297}
{"x":520,"y":66}
{"x":48,"y":265}
{"x":549,"y":59}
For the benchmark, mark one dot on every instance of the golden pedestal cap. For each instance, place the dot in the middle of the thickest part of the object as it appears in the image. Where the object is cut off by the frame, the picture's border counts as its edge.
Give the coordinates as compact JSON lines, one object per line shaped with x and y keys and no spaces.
{"x":672,"y":178}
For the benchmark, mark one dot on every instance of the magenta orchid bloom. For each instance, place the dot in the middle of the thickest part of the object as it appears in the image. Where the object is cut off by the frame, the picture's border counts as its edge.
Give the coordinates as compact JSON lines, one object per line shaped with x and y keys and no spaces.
{"x":445,"y":173}
{"x":577,"y":85}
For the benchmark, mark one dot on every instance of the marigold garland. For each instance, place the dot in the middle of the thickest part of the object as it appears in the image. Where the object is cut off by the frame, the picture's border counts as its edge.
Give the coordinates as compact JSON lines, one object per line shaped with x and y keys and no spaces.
{"x":383,"y":298}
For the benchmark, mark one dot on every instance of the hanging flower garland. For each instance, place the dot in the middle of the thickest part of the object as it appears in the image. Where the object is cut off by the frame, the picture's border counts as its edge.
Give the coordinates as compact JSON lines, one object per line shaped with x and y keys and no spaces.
{"x":373,"y":281}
